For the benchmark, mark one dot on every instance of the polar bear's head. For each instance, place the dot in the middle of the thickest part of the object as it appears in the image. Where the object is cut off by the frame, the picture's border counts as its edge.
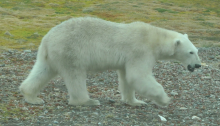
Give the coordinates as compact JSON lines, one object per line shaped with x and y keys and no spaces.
{"x":186,"y":52}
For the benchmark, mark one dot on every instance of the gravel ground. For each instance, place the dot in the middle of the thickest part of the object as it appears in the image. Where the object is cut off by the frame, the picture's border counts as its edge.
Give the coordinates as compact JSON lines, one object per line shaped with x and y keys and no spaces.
{"x":195,"y":96}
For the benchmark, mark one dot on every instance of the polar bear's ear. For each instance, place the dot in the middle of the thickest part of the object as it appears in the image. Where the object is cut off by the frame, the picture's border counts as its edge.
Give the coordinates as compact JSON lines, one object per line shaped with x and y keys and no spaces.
{"x":175,"y":45}
{"x":171,"y":49}
{"x":186,"y":35}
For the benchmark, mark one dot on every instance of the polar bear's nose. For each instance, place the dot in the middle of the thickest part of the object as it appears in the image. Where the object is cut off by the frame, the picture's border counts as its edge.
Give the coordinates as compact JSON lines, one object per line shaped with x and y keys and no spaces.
{"x":197,"y":65}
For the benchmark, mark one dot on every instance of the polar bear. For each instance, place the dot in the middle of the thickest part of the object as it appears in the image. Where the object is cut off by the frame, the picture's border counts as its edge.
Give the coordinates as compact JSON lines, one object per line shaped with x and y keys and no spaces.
{"x":79,"y":45}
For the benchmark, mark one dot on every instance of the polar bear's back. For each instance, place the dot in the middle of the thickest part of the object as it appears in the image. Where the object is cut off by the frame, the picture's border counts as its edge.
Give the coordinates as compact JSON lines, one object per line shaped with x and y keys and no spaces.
{"x":88,"y":42}
{"x":95,"y":43}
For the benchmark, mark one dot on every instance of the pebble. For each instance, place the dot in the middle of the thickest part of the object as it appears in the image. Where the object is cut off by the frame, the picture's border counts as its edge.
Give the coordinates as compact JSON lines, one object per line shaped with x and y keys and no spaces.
{"x":162,"y":118}
{"x":56,"y":89}
{"x":196,"y":118}
{"x":45,"y":112}
{"x":207,"y":77}
{"x":118,"y":118}
{"x":111,"y":101}
{"x":55,"y":122}
{"x":27,"y":51}
{"x":24,"y":108}
{"x":183,"y":108}
{"x":38,"y":121}
{"x":8,"y":34}
{"x":95,"y":113}
{"x":173,"y":93}
{"x":211,"y":57}
{"x":2,"y":65}
{"x":94,"y":83}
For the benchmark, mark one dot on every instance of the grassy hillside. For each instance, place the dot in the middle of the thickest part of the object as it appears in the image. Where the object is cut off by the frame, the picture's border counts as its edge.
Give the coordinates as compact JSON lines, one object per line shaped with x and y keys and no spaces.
{"x":23,"y":23}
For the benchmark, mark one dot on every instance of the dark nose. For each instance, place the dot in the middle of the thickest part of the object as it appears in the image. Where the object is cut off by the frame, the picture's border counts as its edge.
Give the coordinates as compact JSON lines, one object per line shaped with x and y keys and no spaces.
{"x":197,"y":65}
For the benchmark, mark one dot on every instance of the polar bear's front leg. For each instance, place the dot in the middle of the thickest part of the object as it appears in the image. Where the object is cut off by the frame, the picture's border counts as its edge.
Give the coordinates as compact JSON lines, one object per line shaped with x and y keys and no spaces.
{"x":127,"y":92}
{"x":145,"y":84}
{"x":75,"y":81}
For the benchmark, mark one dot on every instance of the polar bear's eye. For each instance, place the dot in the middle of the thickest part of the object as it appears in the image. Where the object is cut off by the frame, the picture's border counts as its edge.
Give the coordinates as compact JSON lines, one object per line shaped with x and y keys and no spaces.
{"x":191,"y":52}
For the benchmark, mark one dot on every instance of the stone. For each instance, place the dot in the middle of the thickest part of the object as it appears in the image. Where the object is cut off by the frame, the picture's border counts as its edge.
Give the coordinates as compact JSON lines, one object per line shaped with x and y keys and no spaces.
{"x":7,"y":33}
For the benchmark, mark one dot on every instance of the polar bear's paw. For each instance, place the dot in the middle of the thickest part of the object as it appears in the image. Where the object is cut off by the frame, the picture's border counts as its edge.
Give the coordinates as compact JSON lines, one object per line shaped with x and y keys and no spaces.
{"x":35,"y":100}
{"x":92,"y":102}
{"x":162,"y":102}
{"x":88,"y":102}
{"x":135,"y":102}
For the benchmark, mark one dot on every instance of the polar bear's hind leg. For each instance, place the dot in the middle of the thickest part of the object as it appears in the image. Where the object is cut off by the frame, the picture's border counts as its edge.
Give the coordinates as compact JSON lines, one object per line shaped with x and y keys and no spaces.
{"x":36,"y":80}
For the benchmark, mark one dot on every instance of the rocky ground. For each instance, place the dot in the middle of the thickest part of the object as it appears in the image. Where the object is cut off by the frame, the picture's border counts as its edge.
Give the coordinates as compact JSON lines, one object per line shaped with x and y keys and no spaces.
{"x":195,"y":96}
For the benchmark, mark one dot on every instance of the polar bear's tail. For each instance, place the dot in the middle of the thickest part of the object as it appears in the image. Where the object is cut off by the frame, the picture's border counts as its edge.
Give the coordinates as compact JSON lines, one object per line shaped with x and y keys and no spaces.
{"x":39,"y":75}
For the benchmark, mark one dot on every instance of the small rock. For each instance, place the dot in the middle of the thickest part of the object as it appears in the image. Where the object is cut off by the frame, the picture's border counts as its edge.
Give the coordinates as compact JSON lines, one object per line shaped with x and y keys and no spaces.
{"x":67,"y":114}
{"x":41,"y":116}
{"x":24,"y":108}
{"x":94,"y":83}
{"x":117,"y":92}
{"x":212,"y":96}
{"x":99,"y":123}
{"x":45,"y":112}
{"x":211,"y":57}
{"x":111,"y":101}
{"x":8,"y":34}
{"x":196,"y":118}
{"x":2,"y":65}
{"x":173,"y":93}
{"x":183,"y":108}
{"x":117,"y":118}
{"x":38,"y":121}
{"x":27,"y":51}
{"x":204,"y":64}
{"x":56,"y":89}
{"x":162,"y":118}
{"x":207,"y":77}
{"x":95,"y":113}
{"x":55,"y":122}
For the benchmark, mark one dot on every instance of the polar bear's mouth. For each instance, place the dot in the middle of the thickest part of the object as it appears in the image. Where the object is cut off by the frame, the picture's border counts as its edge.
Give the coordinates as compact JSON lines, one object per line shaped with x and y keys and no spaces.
{"x":190,"y":68}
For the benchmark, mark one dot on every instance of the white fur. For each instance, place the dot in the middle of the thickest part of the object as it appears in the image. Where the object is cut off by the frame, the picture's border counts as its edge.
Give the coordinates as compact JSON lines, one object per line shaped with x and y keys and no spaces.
{"x":79,"y":45}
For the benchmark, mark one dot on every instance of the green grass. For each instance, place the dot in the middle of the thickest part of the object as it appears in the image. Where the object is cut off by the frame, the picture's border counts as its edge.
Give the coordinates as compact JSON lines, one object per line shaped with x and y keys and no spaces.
{"x":23,"y":18}
{"x":208,"y":24}
{"x":209,"y":6}
{"x":162,"y":10}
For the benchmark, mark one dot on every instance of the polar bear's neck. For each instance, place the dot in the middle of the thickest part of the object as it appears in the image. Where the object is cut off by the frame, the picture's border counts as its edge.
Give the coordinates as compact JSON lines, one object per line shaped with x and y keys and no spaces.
{"x":162,"y":42}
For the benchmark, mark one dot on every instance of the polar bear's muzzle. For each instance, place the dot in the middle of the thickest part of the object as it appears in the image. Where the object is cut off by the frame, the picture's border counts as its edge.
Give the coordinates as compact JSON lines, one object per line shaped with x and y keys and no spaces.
{"x":191,"y":68}
{"x":197,"y":65}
